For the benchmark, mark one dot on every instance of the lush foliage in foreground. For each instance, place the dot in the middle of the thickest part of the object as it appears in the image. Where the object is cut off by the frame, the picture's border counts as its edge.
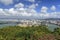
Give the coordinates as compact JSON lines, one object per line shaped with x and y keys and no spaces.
{"x":29,"y":33}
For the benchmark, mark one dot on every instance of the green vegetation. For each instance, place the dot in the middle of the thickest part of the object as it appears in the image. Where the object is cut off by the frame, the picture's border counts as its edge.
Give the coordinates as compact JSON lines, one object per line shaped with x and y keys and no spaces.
{"x":29,"y":33}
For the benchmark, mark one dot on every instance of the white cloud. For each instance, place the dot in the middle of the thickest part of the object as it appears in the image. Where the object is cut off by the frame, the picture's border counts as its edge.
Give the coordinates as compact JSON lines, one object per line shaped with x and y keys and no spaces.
{"x":33,"y":6}
{"x":3,"y":12}
{"x":55,"y":14}
{"x":31,"y":0}
{"x":44,"y":15}
{"x":24,"y":12}
{"x":6,"y":2}
{"x":28,"y":12}
{"x":21,"y":12}
{"x":12,"y":12}
{"x":19,"y":5}
{"x":44,"y":9}
{"x":50,"y":15}
{"x":53,"y":8}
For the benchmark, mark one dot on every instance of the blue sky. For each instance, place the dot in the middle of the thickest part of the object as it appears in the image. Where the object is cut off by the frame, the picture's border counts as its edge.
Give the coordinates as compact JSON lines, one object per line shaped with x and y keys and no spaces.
{"x":47,"y":3}
{"x":30,"y":8}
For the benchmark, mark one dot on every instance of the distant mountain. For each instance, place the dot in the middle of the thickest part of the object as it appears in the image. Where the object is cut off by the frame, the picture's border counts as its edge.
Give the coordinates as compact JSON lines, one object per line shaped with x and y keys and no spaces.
{"x":29,"y":18}
{"x":52,"y":19}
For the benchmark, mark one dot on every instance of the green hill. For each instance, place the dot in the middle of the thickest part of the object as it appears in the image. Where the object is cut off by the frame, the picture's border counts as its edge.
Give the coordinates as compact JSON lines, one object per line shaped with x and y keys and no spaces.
{"x":26,"y":33}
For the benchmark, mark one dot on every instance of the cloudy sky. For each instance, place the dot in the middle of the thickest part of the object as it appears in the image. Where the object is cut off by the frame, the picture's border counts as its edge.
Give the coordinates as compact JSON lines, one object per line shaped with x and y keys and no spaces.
{"x":29,"y":8}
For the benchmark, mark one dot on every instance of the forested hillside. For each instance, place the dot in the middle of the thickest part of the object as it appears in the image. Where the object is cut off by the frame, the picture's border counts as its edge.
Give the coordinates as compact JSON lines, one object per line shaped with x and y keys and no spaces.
{"x":29,"y":33}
